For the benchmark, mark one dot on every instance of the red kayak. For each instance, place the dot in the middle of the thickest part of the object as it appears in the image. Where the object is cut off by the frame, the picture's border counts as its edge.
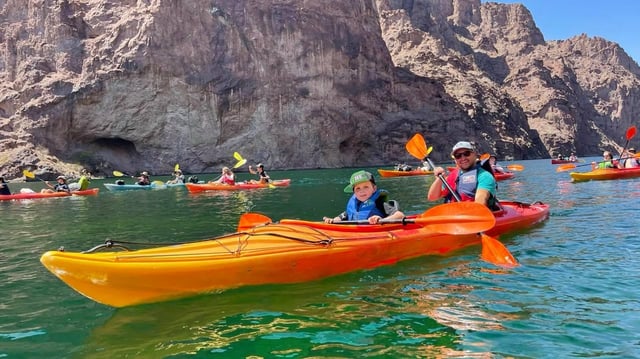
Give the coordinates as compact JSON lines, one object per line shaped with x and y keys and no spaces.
{"x":396,"y":173}
{"x":555,"y":161}
{"x":36,"y":195}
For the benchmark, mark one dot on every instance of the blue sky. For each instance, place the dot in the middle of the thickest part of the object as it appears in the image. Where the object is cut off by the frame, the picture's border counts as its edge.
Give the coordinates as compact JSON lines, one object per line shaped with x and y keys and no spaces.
{"x":614,"y":20}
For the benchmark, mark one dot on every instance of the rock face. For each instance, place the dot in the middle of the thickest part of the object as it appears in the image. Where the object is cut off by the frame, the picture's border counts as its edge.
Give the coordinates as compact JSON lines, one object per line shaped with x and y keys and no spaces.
{"x":142,"y":85}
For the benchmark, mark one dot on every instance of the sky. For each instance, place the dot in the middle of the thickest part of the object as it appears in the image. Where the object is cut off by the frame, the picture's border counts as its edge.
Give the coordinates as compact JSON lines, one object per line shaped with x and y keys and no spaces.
{"x":613,"y":20}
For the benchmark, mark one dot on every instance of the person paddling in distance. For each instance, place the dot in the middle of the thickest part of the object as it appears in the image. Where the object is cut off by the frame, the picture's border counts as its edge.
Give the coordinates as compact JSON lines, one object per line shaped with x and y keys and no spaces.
{"x":263,"y":177}
{"x":4,"y":187}
{"x":628,"y":159}
{"x":227,"y":177}
{"x":61,"y":186}
{"x":144,"y":179}
{"x":606,"y":163}
{"x":178,"y":177}
{"x":469,"y":180}
{"x":367,"y":202}
{"x":493,"y":161}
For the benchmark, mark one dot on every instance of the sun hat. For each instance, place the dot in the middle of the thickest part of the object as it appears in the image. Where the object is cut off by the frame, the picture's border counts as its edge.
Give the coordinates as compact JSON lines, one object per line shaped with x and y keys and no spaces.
{"x":464,"y":145}
{"x":61,"y":177}
{"x":358,"y":177}
{"x":632,"y":149}
{"x":145,"y":173}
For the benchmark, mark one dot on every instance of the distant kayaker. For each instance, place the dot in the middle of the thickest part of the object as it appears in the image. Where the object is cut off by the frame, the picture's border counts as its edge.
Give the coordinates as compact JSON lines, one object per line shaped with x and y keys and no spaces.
{"x":606,"y":163}
{"x":573,"y":157}
{"x":178,"y":177}
{"x":61,"y":186}
{"x":263,"y":177}
{"x":4,"y":187}
{"x":469,"y":180}
{"x":493,"y":161}
{"x":227,"y":177}
{"x":367,"y":202}
{"x":628,"y":159}
{"x":144,"y":180}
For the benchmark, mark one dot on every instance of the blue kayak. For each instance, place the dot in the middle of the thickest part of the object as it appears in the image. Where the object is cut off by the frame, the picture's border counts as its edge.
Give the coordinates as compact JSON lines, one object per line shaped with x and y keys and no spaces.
{"x":132,"y":187}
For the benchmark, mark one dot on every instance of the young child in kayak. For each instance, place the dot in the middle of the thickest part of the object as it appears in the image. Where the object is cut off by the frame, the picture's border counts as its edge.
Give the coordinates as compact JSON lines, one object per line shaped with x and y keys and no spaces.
{"x":367,"y":202}
{"x":227,"y":177}
{"x":469,"y":180}
{"x":61,"y":186}
{"x":263,"y":177}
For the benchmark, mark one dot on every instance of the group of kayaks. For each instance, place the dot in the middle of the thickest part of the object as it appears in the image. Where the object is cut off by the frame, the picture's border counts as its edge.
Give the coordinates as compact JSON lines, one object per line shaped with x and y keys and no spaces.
{"x":199,"y":187}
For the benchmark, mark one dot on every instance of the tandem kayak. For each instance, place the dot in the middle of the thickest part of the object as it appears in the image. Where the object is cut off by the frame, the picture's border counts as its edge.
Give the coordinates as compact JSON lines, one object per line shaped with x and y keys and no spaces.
{"x":202,"y":187}
{"x":605,"y":174}
{"x":291,"y":251}
{"x":36,"y":195}
{"x":396,"y":173}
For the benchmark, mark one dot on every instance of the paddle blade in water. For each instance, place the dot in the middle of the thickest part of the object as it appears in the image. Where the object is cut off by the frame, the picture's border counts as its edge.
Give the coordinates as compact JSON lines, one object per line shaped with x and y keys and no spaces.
{"x":250,"y":220}
{"x":566,"y":167}
{"x":417,"y":147}
{"x":496,"y":253}
{"x":458,"y":218}
{"x":515,"y":167}
{"x":28,"y":174}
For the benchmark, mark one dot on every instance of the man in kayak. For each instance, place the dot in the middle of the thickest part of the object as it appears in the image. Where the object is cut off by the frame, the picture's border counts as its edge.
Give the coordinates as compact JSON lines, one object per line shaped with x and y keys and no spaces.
{"x":367,"y":202}
{"x":4,"y":187}
{"x":469,"y":180}
{"x":628,"y":159}
{"x":61,"y":186}
{"x":263,"y":177}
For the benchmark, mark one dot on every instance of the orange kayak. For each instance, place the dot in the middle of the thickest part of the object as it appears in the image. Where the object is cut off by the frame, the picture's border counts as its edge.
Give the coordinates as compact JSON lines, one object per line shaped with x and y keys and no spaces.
{"x":287,"y":252}
{"x":36,"y":195}
{"x":605,"y":174}
{"x":202,"y":187}
{"x":396,"y":173}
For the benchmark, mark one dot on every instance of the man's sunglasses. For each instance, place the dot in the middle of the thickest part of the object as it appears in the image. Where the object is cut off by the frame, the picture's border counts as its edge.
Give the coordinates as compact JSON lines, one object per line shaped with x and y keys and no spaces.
{"x":459,"y":155}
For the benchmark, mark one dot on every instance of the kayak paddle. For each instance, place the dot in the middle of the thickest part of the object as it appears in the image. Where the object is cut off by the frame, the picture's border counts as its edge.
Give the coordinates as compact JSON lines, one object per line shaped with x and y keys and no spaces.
{"x":448,"y":218}
{"x":241,"y":161}
{"x":31,"y":175}
{"x":493,"y":251}
{"x":631,"y":131}
{"x":456,"y":218}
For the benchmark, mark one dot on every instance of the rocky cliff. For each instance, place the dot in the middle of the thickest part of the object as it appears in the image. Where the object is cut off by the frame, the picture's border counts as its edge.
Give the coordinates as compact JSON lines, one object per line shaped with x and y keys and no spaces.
{"x":142,"y":85}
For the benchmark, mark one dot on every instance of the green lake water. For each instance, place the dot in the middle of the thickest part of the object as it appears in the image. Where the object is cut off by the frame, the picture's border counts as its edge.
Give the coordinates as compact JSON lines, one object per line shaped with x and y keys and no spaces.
{"x":576,"y":293}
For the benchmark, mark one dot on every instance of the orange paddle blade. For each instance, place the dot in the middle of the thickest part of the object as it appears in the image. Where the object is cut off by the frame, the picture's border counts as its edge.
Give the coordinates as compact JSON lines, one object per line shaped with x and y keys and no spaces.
{"x":457,"y":218}
{"x":496,"y":253}
{"x":568,"y":166}
{"x":250,"y":220}
{"x":515,"y":167}
{"x":417,"y":147}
